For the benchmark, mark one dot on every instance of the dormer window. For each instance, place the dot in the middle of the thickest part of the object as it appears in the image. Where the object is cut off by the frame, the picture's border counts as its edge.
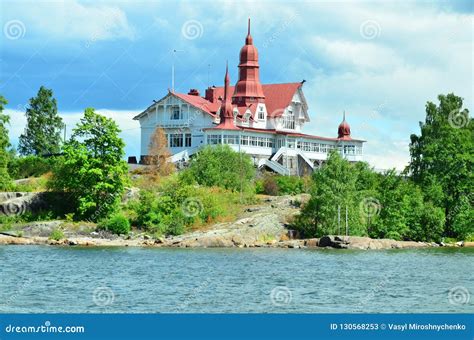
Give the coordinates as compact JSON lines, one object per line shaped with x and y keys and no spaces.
{"x":261,"y":114}
{"x":289,"y":119}
{"x":246,"y":118}
{"x":175,"y":112}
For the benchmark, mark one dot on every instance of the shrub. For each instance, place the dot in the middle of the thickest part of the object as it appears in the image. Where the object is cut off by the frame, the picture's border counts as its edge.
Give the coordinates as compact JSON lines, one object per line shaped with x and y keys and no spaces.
{"x":270,"y":186}
{"x":30,"y":166}
{"x":274,"y":185}
{"x":56,"y":235}
{"x":221,"y":166}
{"x":117,"y":224}
{"x":174,"y":207}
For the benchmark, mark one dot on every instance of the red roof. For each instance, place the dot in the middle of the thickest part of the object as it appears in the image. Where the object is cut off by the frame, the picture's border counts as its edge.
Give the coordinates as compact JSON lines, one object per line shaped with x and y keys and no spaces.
{"x":277,"y":97}
{"x":200,"y":102}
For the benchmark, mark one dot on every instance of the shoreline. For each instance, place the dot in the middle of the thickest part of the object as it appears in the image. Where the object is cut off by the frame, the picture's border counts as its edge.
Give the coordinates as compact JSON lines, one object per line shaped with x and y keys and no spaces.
{"x":350,"y":243}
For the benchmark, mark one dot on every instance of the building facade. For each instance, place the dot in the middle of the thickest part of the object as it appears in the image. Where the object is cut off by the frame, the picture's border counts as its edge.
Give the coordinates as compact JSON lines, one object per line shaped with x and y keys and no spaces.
{"x":262,"y":120}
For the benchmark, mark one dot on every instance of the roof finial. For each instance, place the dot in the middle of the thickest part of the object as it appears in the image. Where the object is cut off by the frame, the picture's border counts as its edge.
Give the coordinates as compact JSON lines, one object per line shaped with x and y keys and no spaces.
{"x":249,"y":40}
{"x":226,"y":81}
{"x":344,"y":115}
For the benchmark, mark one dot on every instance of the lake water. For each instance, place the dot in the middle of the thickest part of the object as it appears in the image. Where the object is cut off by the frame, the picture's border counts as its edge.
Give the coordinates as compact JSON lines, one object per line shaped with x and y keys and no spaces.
{"x":43,"y":279}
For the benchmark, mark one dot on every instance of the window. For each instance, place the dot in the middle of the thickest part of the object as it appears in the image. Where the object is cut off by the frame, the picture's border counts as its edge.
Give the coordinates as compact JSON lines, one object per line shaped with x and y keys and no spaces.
{"x":261,"y":114}
{"x":175,"y":113}
{"x":176,"y":140}
{"x":289,"y":120}
{"x":291,"y":143}
{"x":187,"y":140}
{"x":349,"y":149}
{"x":214,"y":139}
{"x":245,"y":140}
{"x":231,"y":139}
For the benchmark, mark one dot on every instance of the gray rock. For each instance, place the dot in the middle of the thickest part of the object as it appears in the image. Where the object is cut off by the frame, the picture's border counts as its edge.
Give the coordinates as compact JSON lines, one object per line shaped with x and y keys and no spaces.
{"x":17,"y":203}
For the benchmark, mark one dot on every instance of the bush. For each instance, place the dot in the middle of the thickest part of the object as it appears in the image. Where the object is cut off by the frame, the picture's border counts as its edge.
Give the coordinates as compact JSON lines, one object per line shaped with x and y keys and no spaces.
{"x":30,"y":166}
{"x":221,"y":166}
{"x":174,"y":207}
{"x":56,"y":235}
{"x":270,"y":186}
{"x":274,"y":185}
{"x":117,"y":224}
{"x":290,"y":185}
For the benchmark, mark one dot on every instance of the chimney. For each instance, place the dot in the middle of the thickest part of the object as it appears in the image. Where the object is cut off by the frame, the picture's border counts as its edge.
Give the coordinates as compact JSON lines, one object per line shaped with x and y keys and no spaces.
{"x":193,"y":92}
{"x":211,"y":94}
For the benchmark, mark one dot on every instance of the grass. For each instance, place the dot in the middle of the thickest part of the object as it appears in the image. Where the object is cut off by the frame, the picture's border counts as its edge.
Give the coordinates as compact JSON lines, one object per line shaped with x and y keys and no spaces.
{"x":56,"y":235}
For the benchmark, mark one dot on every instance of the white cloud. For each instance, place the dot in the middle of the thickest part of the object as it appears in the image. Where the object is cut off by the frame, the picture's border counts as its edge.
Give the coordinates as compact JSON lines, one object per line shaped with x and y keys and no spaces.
{"x":69,"y":20}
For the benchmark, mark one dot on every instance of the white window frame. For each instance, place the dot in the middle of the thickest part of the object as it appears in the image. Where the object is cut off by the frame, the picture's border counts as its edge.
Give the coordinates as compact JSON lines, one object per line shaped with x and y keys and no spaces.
{"x":176,"y":109}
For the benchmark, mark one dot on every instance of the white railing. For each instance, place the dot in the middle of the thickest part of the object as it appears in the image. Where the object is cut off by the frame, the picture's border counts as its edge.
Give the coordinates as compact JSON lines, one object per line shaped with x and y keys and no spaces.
{"x":306,"y":159}
{"x":183,"y":155}
{"x":278,"y":153}
{"x":275,"y":166}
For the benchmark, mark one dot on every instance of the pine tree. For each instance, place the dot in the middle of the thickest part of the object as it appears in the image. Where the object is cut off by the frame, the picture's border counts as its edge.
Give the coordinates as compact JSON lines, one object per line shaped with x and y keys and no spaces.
{"x":42,"y":134}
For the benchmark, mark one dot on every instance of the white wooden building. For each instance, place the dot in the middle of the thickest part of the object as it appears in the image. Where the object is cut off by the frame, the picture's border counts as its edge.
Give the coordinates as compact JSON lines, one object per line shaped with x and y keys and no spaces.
{"x":262,"y":120}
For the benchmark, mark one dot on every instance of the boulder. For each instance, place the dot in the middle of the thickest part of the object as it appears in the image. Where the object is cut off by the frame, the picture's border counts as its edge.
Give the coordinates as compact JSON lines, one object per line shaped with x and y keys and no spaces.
{"x":17,"y":203}
{"x":311,"y":243}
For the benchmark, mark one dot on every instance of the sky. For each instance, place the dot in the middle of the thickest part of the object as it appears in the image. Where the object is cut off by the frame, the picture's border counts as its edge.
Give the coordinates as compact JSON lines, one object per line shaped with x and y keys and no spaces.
{"x":380,"y":61}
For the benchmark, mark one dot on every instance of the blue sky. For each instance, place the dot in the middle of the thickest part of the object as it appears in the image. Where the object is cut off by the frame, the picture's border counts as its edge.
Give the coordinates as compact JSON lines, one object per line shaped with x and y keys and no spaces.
{"x":380,"y":61}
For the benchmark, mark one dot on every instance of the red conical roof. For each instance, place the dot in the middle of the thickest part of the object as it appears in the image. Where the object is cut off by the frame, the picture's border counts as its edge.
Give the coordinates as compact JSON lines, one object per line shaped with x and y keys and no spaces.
{"x":248,"y":88}
{"x":344,"y":130}
{"x":226,"y":111}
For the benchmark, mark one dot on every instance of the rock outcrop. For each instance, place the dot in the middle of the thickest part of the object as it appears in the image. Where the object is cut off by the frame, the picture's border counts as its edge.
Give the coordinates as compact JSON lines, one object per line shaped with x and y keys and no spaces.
{"x":17,"y":203}
{"x":357,"y":242}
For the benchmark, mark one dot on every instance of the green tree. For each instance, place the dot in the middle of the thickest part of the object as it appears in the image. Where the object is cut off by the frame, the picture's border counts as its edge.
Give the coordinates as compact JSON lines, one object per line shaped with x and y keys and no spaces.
{"x":333,"y":185}
{"x":221,"y":166}
{"x":442,"y":158}
{"x":93,"y":172}
{"x":5,"y":181}
{"x":43,"y":126}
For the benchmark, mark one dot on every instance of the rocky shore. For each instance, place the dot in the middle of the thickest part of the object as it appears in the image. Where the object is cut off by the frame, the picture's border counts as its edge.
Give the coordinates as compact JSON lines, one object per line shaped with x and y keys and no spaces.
{"x":263,"y":225}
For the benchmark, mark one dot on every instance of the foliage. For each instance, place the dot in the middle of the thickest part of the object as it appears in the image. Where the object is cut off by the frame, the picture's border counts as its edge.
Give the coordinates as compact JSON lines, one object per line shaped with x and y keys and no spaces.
{"x":380,"y":206}
{"x":334,"y":186}
{"x":174,"y":207}
{"x":42,"y":134}
{"x":269,"y":185}
{"x":5,"y":181}
{"x":272,"y":184}
{"x":56,"y":235}
{"x":30,"y":166}
{"x":159,"y":154}
{"x":220,"y":166}
{"x":117,"y":224}
{"x":442,"y":158}
{"x":92,"y":172}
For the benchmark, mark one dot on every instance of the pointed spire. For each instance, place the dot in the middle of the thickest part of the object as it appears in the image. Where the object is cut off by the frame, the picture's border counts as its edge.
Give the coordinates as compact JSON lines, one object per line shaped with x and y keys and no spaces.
{"x":344,"y":116}
{"x":226,"y":81}
{"x":248,"y":39}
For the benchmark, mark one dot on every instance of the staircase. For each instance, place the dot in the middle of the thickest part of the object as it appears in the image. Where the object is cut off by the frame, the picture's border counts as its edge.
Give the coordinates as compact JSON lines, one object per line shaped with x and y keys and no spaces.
{"x":183,"y":155}
{"x":275,"y":166}
{"x":306,"y":159}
